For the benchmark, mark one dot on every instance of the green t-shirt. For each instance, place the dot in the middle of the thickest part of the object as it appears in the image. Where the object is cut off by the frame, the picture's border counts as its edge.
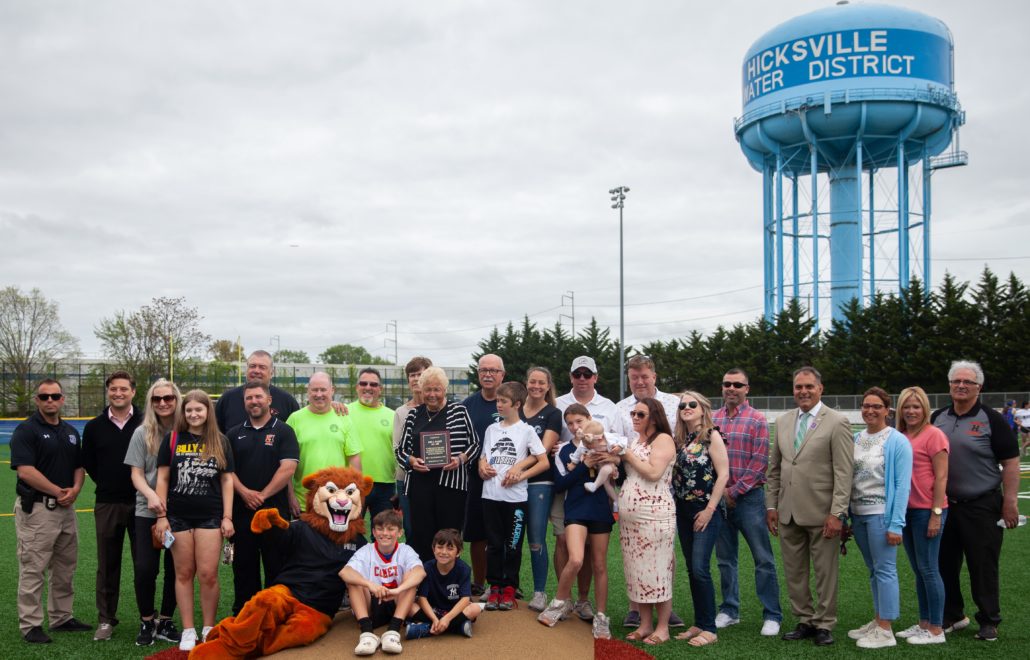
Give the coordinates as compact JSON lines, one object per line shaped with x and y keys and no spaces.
{"x":374,"y":428}
{"x":324,"y":442}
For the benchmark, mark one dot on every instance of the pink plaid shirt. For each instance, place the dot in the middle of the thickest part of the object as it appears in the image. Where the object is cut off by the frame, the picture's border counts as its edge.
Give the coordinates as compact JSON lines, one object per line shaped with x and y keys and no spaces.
{"x":746,"y":435}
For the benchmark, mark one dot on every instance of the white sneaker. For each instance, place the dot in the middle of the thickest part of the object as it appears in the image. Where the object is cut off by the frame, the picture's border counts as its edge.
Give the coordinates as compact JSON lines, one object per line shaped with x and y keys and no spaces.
{"x":367,"y":644}
{"x":103,"y":633}
{"x":911,"y":631}
{"x":723,"y":620}
{"x":557,"y":611}
{"x":601,"y":626}
{"x":859,"y":633}
{"x":204,"y":632}
{"x":877,"y":639}
{"x":927,"y":637}
{"x":769,"y":629}
{"x":958,"y":625}
{"x":391,"y":641}
{"x":188,"y":639}
{"x":539,"y":602}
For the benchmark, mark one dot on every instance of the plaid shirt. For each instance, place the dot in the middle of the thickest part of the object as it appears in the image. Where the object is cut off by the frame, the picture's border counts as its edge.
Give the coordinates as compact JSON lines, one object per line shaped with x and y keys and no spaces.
{"x":746,"y":435}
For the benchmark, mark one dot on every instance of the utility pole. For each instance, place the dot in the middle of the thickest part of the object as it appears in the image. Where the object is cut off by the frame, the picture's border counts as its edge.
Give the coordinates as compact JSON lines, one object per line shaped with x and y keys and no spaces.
{"x":571,"y":295}
{"x":392,"y":324}
{"x":619,"y":197}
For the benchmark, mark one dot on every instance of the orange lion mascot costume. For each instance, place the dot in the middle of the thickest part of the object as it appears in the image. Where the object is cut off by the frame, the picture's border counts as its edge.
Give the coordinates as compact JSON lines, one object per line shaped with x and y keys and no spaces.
{"x":299,"y":607}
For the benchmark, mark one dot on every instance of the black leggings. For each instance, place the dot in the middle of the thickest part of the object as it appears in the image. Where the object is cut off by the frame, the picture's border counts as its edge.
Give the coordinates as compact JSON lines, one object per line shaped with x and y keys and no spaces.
{"x":146,"y":563}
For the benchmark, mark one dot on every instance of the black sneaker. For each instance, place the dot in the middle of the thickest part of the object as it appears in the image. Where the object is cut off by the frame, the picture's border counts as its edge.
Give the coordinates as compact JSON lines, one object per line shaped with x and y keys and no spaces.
{"x":167,"y":631}
{"x":146,"y":633}
{"x":35,"y":635}
{"x":71,"y":625}
{"x":477,"y":591}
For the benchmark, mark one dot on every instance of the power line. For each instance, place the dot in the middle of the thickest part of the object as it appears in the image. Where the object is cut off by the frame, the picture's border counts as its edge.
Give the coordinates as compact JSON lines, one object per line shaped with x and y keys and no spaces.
{"x":480,"y":327}
{"x":698,"y":318}
{"x":675,"y":300}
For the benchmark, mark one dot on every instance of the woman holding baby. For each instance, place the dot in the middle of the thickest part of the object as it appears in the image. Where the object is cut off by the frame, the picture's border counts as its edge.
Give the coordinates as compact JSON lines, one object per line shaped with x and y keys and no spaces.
{"x":699,"y":478}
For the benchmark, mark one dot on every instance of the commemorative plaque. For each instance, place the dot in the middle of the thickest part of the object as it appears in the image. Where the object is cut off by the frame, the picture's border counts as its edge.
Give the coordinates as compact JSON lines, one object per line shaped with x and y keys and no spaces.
{"x":436,"y":448}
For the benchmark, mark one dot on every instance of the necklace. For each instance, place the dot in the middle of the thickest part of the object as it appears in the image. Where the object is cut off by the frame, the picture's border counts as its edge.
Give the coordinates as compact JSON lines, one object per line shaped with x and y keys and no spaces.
{"x":433,"y":415}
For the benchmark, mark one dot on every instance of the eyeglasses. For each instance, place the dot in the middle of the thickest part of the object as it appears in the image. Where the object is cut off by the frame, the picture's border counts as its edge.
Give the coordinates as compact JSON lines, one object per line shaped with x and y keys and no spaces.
{"x":582,"y":375}
{"x":167,"y":398}
{"x":491,"y":371}
{"x":637,"y":414}
{"x":50,"y":397}
{"x":963,"y":381}
{"x":873,"y":406}
{"x":687,"y":404}
{"x":734,"y":384}
{"x":367,"y":383}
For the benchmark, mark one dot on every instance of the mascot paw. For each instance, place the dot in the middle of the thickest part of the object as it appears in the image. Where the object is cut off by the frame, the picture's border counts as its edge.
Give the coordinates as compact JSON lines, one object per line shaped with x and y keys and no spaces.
{"x":265,"y":519}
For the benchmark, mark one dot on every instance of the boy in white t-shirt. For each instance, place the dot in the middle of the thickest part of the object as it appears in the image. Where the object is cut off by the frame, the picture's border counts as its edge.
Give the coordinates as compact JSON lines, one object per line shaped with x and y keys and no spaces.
{"x":512,"y":453}
{"x":382,"y":580}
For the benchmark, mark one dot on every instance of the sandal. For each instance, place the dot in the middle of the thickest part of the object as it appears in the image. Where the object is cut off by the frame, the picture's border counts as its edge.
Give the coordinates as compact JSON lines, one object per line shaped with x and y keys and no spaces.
{"x":654,"y":640}
{"x":636,"y":636}
{"x":689,"y":634}
{"x":704,"y":638}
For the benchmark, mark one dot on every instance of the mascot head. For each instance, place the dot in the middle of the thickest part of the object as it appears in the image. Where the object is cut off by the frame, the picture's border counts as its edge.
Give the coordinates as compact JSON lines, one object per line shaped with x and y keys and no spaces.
{"x":336,"y":501}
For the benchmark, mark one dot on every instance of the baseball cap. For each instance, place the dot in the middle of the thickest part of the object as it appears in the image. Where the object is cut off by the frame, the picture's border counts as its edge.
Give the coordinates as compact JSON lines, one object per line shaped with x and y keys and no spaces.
{"x":584,"y":362}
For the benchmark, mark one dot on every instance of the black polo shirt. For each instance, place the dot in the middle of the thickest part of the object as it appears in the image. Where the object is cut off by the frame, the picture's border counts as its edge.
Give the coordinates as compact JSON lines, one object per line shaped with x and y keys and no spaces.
{"x":980,"y":440}
{"x":258,"y":453}
{"x":230,"y":411}
{"x":54,"y":450}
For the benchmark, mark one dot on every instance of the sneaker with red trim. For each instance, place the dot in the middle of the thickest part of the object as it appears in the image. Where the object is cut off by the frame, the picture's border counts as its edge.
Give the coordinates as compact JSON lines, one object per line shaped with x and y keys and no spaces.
{"x":494,"y":600}
{"x":507,"y":599}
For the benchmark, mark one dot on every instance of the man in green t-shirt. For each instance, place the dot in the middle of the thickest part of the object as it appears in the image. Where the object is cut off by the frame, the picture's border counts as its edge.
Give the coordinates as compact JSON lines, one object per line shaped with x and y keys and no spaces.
{"x":372,"y":422}
{"x":323,"y":438}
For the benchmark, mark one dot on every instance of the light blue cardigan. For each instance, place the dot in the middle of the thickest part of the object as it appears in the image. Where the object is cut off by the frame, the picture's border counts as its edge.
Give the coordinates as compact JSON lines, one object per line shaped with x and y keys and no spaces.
{"x":897,"y":477}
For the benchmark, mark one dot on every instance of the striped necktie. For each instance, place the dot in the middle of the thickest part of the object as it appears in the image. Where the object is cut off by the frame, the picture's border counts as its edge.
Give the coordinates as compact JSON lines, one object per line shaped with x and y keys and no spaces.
{"x":802,"y":429}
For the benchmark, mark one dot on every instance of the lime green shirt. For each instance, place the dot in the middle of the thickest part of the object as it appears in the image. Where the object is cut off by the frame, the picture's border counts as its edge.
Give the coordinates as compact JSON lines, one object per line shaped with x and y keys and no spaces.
{"x":324,"y":441}
{"x":374,"y":428}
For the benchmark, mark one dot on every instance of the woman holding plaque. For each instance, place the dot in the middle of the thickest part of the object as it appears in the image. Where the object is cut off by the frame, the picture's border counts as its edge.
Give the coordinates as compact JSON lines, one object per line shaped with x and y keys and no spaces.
{"x":436,"y":450}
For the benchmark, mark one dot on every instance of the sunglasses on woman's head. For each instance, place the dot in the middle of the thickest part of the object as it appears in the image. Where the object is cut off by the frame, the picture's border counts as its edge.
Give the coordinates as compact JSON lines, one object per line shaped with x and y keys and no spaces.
{"x":687,"y":404}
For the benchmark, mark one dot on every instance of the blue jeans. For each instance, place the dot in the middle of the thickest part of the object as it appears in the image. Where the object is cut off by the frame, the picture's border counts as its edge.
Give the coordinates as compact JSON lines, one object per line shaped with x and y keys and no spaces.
{"x":405,"y":509}
{"x":379,"y":499}
{"x":539,"y":511}
{"x":748,"y":518}
{"x":881,"y":560}
{"x":922,"y":554}
{"x":697,"y":551}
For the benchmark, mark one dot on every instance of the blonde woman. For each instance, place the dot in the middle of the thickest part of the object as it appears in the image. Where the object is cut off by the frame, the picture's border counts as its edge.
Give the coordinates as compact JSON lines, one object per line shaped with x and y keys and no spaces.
{"x":702,"y":468}
{"x":194,"y":481}
{"x":162,"y":402}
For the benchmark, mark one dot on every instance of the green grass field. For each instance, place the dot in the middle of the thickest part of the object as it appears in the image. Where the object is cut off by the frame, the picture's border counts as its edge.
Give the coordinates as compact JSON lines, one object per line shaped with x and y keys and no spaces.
{"x":741,"y":641}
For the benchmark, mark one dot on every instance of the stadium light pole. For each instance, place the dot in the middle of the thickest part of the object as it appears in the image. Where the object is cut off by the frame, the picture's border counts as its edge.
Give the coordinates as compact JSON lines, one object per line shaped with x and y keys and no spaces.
{"x":619,"y":198}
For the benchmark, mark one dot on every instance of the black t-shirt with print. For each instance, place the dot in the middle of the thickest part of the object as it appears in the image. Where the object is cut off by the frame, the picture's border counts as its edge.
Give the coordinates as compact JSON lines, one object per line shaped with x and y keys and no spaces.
{"x":194,"y":484}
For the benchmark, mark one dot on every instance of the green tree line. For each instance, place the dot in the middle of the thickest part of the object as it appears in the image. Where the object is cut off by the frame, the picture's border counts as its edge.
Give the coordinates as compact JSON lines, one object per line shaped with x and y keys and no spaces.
{"x":894,"y":341}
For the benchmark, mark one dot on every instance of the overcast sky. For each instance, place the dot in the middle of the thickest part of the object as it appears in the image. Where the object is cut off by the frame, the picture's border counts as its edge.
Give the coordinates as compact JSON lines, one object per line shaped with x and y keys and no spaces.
{"x":315,"y":170}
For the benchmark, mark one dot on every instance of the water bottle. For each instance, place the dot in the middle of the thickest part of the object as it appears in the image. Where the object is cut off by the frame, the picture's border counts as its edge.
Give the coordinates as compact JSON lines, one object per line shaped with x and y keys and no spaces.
{"x":1022,"y":521}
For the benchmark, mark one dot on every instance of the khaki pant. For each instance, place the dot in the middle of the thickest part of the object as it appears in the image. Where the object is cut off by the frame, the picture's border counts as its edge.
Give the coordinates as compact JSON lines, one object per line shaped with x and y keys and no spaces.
{"x":800,"y":549}
{"x":47,"y":540}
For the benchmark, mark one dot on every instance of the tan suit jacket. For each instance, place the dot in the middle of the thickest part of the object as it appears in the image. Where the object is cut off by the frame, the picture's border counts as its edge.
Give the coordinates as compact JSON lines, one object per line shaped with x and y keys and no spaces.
{"x":806,"y":486}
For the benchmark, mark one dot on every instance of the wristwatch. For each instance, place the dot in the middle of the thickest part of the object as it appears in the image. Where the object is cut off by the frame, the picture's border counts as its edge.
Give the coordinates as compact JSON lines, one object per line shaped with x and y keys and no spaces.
{"x":842,"y":517}
{"x":937,"y":510}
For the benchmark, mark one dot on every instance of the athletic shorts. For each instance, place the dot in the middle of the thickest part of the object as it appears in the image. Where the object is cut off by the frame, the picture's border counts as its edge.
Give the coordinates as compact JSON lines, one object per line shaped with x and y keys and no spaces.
{"x":593,"y":526}
{"x":186,"y":524}
{"x":558,"y":513}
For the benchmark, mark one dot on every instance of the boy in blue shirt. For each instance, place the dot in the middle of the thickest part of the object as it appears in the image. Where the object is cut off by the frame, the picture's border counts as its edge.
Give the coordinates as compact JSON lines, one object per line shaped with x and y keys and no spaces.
{"x":445,"y":596}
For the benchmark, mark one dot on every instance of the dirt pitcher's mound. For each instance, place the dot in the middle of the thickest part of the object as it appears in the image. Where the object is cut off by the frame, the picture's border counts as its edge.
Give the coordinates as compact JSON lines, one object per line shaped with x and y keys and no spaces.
{"x":496,"y":636}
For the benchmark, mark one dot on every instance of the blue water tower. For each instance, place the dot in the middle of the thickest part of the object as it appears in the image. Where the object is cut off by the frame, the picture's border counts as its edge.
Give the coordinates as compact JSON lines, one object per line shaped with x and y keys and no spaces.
{"x":848,"y":111}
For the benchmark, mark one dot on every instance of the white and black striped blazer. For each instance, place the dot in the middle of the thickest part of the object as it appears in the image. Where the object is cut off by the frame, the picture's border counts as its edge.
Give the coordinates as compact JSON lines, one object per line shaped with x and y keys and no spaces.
{"x":463,"y":439}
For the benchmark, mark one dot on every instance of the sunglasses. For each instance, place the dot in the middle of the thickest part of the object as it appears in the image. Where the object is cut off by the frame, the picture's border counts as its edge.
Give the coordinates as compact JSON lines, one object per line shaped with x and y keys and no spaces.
{"x":687,"y":404}
{"x":873,"y":406}
{"x":733,"y":384}
{"x":637,"y":414}
{"x":50,"y":397}
{"x":582,"y":375}
{"x":167,"y":398}
{"x":367,"y":383}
